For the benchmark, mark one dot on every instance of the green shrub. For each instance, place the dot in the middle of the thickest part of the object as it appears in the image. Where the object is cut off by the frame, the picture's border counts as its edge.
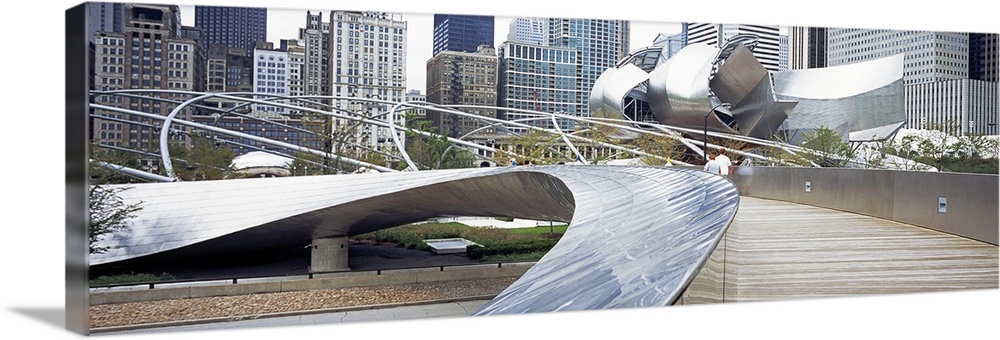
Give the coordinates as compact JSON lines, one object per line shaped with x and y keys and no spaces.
{"x":130,"y":278}
{"x":527,"y":257}
{"x":521,"y":244}
{"x":537,"y":245}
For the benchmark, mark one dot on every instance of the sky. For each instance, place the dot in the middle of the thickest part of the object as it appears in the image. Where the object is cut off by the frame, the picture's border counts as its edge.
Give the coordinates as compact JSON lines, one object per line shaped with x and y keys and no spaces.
{"x":284,"y":23}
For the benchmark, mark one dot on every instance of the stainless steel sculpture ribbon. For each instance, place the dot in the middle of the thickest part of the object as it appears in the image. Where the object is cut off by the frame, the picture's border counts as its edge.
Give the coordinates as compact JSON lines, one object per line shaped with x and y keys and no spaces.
{"x":637,"y":239}
{"x":637,"y":235}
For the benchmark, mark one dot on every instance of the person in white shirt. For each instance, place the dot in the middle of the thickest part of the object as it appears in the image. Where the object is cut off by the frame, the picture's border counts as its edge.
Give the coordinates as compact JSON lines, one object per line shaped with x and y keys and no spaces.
{"x":724,"y":162}
{"x":712,"y":166}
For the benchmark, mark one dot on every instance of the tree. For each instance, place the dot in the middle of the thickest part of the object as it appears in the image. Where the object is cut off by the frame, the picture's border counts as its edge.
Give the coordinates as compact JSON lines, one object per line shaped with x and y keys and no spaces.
{"x":205,"y":160}
{"x":778,"y":156}
{"x":318,"y":138}
{"x":108,"y":213}
{"x":102,"y":175}
{"x":832,"y":150}
{"x":594,"y":151}
{"x":437,"y":152}
{"x":537,"y":146}
{"x":663,"y":146}
{"x":306,"y":164}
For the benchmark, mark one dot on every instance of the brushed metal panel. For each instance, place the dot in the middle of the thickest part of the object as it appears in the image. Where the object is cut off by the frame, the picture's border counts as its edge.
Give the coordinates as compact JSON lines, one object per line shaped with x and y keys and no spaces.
{"x":738,"y":76}
{"x":637,"y":236}
{"x":902,"y":196}
{"x":757,"y":114}
{"x":607,"y":98}
{"x":972,"y":203}
{"x":603,"y":264}
{"x":678,"y":88}
{"x":863,"y":96}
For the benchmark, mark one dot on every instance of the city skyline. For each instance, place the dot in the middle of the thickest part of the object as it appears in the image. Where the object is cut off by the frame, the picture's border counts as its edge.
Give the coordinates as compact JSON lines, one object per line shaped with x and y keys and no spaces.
{"x":284,"y":23}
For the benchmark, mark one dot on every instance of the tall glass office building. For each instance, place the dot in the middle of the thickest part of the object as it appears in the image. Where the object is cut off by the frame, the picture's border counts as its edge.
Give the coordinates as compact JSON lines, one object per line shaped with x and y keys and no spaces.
{"x":556,"y":73}
{"x":806,"y":47}
{"x":529,"y":31}
{"x":601,"y":44}
{"x":539,"y":78}
{"x":462,"y":33}
{"x":240,"y":27}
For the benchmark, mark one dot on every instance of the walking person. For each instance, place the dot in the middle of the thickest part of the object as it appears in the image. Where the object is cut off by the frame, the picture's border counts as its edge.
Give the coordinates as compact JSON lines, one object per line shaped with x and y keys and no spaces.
{"x":724,"y":162}
{"x":712,"y":166}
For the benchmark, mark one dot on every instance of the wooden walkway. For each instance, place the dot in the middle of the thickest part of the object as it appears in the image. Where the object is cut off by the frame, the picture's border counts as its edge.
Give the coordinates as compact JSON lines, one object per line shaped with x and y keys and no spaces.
{"x":777,"y":250}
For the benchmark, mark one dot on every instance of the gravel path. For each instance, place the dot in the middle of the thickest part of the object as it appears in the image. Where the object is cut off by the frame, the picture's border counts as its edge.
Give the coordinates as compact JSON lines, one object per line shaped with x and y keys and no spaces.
{"x":151,"y":312}
{"x":362,"y":257}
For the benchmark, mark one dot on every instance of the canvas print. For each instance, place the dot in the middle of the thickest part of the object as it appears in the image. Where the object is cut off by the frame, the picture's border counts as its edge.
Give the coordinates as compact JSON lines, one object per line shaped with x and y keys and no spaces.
{"x":270,"y":166}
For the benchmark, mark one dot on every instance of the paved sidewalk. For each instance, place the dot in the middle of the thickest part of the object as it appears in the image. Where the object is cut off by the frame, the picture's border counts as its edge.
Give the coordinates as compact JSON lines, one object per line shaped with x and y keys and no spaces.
{"x":407,"y":312}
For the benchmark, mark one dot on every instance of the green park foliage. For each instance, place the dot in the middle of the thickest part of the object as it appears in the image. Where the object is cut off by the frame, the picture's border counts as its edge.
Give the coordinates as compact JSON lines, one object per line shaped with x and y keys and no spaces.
{"x":496,"y":244}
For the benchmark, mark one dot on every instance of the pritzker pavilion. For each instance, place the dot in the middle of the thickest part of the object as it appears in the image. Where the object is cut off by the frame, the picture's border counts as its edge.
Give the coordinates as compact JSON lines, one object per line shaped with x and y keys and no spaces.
{"x":638,"y":236}
{"x":727,"y":90}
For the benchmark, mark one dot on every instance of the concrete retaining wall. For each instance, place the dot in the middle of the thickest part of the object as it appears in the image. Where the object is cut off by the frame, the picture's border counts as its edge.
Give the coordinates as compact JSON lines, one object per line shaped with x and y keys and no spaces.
{"x":301,"y":283}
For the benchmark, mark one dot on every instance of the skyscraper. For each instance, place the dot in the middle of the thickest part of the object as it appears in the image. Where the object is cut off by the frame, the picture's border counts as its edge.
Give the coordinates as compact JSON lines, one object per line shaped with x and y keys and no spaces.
{"x":806,"y":47}
{"x":461,"y":78}
{"x":539,"y":78}
{"x":670,"y":43}
{"x":532,"y":31}
{"x":782,"y":52}
{"x":767,"y":50}
{"x":557,"y":73}
{"x":462,"y":33}
{"x":296,"y":64}
{"x":940,"y":92}
{"x":930,"y":56}
{"x":367,"y":59}
{"x":315,"y":39}
{"x":229,"y":69}
{"x":105,"y":17}
{"x":153,"y":53}
{"x":270,"y":69}
{"x":984,"y":60}
{"x":601,"y":44}
{"x":240,"y":27}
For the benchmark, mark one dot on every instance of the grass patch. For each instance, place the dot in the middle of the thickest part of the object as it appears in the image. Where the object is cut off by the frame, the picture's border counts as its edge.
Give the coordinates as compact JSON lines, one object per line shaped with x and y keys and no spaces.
{"x":130,"y":278}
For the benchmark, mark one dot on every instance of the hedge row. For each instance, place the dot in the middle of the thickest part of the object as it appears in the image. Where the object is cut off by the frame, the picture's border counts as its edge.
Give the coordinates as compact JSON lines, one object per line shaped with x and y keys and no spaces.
{"x":478,"y":252}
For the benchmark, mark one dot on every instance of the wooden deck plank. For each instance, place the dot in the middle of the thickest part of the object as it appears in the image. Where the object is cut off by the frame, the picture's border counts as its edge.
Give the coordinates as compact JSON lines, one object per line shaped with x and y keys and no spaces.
{"x":777,"y":250}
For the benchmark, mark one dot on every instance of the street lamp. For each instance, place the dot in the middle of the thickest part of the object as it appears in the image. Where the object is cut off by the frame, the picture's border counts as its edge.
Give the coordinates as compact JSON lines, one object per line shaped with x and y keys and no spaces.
{"x":704,"y":150}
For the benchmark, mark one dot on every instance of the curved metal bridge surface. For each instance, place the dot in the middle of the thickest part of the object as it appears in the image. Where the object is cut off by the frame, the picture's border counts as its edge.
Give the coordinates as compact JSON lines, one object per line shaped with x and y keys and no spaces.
{"x":637,"y":235}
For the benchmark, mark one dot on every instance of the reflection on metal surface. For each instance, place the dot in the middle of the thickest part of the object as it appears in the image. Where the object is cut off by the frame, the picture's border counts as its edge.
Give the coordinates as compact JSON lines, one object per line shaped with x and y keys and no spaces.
{"x":862,"y":100}
{"x":637,"y":235}
{"x":637,"y":239}
{"x":865,"y":98}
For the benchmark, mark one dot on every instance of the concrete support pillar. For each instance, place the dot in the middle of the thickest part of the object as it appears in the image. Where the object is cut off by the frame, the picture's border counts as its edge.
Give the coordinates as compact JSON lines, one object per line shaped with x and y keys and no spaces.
{"x":329,"y":254}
